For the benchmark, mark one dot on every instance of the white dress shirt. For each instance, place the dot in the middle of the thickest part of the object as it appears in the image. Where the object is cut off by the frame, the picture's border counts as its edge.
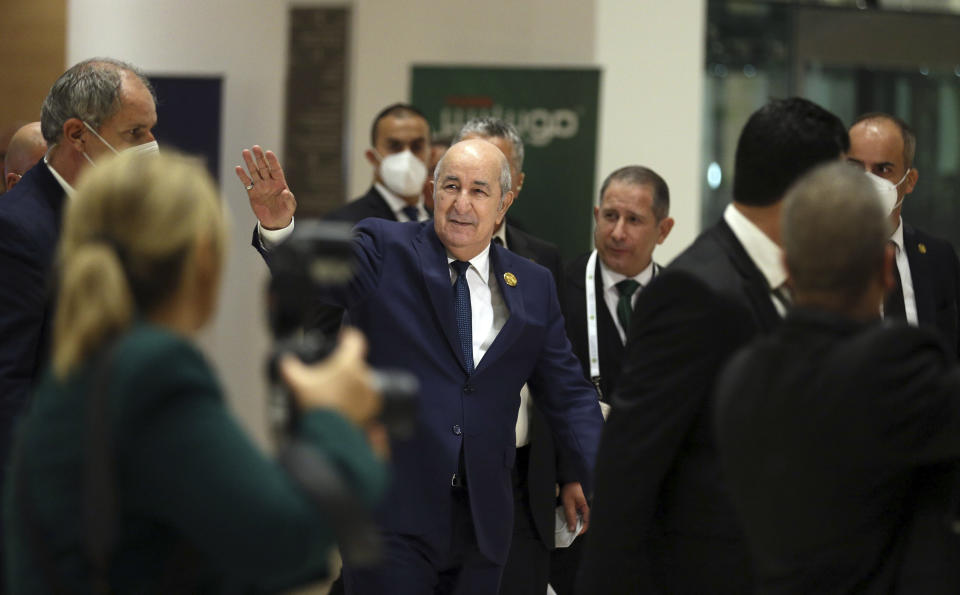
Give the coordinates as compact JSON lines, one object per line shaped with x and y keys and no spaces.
{"x":609,"y":278}
{"x":906,"y":279}
{"x":764,"y":252}
{"x":487,"y":309}
{"x":397,"y":204}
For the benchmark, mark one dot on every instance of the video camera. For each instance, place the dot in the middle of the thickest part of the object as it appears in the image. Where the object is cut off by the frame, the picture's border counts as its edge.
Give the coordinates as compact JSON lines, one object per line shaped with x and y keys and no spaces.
{"x":318,"y":259}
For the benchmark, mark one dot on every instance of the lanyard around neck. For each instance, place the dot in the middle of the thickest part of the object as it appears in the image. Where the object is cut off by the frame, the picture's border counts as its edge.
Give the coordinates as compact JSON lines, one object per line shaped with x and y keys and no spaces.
{"x":591,"y":295}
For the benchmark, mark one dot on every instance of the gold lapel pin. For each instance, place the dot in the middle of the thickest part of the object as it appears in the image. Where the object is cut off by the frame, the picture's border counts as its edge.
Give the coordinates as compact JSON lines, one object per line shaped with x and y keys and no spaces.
{"x":511,"y":279}
{"x":922,"y":248}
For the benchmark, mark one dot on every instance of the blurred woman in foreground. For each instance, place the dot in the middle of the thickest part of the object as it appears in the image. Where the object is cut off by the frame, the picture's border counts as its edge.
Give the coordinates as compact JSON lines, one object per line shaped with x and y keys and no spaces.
{"x":129,"y":473}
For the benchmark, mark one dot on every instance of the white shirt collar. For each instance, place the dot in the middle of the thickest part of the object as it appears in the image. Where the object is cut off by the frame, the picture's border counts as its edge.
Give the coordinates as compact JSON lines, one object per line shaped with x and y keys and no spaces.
{"x":610,"y":277}
{"x":897,"y":236}
{"x":763,"y":251}
{"x":396,"y":203}
{"x":480,"y":262}
{"x":67,"y":188}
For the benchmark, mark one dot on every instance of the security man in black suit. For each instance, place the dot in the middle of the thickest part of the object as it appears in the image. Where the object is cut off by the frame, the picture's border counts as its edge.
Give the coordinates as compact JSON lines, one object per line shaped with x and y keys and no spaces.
{"x":534,"y":477}
{"x":927,"y":272}
{"x":662,"y":519}
{"x":602,"y":287}
{"x":829,"y":428}
{"x":399,"y":153}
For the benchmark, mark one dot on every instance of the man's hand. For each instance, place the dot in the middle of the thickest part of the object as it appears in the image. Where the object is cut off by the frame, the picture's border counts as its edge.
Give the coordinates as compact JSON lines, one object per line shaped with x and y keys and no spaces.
{"x":573,"y":501}
{"x":270,"y":197}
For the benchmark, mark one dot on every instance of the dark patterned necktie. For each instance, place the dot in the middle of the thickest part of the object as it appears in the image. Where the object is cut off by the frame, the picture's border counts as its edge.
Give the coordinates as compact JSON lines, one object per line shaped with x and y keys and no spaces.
{"x":464,"y":314}
{"x":412,"y":213}
{"x":626,"y":289}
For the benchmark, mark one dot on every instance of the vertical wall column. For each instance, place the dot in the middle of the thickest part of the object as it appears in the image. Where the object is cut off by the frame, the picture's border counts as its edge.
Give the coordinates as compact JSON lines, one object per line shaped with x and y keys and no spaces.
{"x":651,"y":100}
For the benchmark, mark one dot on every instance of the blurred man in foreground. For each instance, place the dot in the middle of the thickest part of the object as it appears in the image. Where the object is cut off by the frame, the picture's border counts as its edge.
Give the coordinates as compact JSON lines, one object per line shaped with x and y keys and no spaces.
{"x":828,"y":428}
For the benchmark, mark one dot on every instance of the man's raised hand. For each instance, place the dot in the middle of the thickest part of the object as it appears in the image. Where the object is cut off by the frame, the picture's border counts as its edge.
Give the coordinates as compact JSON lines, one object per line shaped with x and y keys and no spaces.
{"x":270,"y":197}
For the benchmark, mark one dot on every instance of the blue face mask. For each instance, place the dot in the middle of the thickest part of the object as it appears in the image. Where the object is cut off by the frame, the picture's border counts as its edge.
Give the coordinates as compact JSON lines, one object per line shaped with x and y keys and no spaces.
{"x":149,"y":148}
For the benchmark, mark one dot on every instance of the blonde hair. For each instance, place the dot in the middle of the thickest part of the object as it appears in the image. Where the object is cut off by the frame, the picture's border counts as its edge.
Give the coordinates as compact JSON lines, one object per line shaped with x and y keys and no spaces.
{"x":129,"y":235}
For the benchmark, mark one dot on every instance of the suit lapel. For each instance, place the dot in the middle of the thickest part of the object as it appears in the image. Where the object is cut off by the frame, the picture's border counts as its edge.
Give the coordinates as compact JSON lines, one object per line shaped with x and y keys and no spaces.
{"x":920,"y":276}
{"x":755,"y":285}
{"x":379,"y":206}
{"x":500,"y":261}
{"x":436,"y":279}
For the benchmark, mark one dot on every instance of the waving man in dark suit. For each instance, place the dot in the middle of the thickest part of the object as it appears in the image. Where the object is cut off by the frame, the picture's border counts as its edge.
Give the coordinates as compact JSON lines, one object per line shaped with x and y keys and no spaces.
{"x":474,"y":322}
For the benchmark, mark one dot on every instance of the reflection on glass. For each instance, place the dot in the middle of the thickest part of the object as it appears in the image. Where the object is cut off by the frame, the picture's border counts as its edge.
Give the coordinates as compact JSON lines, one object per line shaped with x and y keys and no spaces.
{"x":758,"y":50}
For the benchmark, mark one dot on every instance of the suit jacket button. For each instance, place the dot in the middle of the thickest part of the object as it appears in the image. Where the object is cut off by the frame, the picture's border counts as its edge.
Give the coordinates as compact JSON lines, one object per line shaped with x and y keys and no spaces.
{"x":457,"y":430}
{"x":468,"y":389}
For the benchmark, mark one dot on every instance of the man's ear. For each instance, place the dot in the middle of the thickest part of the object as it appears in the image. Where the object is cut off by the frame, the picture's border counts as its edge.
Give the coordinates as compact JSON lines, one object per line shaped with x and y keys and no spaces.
{"x":12,"y":179}
{"x":504,"y":206}
{"x":372,"y":158}
{"x":73,"y":134}
{"x":912,"y":176}
{"x":783,"y":261}
{"x":664,"y":226}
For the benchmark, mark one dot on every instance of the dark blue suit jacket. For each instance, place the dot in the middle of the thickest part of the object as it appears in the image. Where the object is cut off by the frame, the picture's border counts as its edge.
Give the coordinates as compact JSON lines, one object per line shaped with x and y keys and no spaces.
{"x":29,"y":229}
{"x":402,"y":299}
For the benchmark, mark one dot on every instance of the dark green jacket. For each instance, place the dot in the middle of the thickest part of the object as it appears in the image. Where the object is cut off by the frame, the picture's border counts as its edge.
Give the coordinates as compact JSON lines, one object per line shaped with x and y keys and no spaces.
{"x":189,"y":480}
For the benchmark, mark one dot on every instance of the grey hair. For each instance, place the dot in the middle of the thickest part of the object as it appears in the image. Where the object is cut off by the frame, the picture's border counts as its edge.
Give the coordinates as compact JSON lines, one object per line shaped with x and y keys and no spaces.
{"x":88,"y":90}
{"x":505,"y":180}
{"x":638,"y":175}
{"x":834,"y":233}
{"x":496,"y":128}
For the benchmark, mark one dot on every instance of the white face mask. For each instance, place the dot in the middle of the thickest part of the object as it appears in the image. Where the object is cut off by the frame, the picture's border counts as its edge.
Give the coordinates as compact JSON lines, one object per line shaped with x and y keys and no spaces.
{"x":402,"y":173}
{"x":887,"y":190}
{"x":149,"y":148}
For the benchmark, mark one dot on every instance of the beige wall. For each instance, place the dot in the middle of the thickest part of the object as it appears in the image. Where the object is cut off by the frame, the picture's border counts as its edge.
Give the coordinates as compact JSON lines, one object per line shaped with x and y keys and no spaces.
{"x":650,"y":53}
{"x":652,"y":56}
{"x":32,"y":41}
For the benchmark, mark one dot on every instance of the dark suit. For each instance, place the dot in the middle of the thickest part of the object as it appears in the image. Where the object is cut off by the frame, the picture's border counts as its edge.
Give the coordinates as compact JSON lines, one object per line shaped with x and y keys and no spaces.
{"x":661,"y":517}
{"x":935,"y":272}
{"x":402,"y":299}
{"x":371,"y":204}
{"x":528,"y":563}
{"x":566,"y":562}
{"x":30,"y":217}
{"x":328,"y":319}
{"x":828,"y":430}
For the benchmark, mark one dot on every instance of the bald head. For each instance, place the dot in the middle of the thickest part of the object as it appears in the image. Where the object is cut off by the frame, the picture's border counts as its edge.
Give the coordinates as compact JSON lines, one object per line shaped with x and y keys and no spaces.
{"x":26,"y":148}
{"x":478,"y":148}
{"x":835,"y":235}
{"x":6,"y":133}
